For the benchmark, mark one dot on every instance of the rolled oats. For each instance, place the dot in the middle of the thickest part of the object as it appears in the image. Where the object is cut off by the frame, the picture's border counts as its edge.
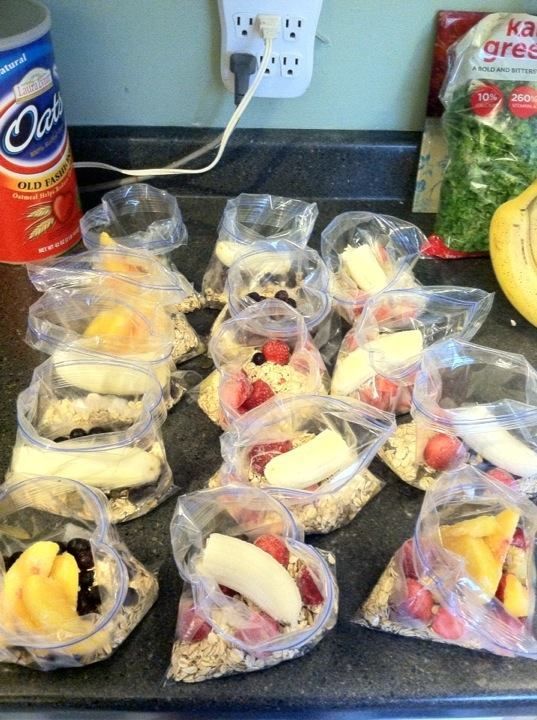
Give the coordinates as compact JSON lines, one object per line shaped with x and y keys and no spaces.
{"x":399,"y":454}
{"x":186,"y":343}
{"x":60,"y":416}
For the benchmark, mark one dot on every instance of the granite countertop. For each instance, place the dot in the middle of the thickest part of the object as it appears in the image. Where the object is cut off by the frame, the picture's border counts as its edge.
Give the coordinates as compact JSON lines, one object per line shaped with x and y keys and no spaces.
{"x":354,"y":671}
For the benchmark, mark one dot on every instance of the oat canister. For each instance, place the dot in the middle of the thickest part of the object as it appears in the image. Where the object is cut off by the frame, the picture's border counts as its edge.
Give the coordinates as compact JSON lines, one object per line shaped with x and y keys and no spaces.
{"x":39,"y":208}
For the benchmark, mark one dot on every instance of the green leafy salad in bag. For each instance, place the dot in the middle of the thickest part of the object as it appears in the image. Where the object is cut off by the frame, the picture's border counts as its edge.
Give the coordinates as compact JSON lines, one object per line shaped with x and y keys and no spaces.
{"x":490,"y":122}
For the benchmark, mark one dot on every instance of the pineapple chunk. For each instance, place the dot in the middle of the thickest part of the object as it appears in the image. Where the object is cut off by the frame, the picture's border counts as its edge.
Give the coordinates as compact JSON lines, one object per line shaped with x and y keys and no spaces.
{"x":475,"y":527}
{"x":107,"y":240}
{"x":516,"y":598}
{"x":481,"y":565}
{"x":65,"y":572}
{"x":49,"y":607}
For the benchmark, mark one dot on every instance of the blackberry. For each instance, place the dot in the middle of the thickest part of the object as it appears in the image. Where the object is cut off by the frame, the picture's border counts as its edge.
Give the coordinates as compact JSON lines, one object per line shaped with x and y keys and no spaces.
{"x":88,"y":600}
{"x":86,"y":578}
{"x":80,"y":549}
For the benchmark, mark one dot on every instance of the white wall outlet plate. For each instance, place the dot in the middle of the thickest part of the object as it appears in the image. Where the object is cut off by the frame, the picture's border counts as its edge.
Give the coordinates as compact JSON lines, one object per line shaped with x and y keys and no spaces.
{"x":291,"y":65}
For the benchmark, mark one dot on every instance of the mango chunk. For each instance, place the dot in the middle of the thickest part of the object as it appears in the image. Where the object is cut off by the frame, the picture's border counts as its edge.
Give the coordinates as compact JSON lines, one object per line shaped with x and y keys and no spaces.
{"x":49,"y":607}
{"x":119,"y":329}
{"x":499,"y":541}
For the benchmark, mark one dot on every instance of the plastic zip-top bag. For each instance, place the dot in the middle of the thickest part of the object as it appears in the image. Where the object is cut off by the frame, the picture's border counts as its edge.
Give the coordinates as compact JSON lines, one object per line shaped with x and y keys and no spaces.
{"x":380,"y":355}
{"x":264,"y":351}
{"x":475,"y":405}
{"x":467,"y":577}
{"x":105,"y":441}
{"x":312,"y":452}
{"x":254,"y":594}
{"x":70,"y":591}
{"x":489,"y":121}
{"x":69,"y":322}
{"x":366,"y":254}
{"x":139,"y":217}
{"x":297,"y":277}
{"x":266,"y":221}
{"x":135,"y":274}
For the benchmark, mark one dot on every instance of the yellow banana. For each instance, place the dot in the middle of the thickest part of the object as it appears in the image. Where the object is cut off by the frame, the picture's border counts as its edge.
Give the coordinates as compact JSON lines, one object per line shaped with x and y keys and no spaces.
{"x":513,"y":251}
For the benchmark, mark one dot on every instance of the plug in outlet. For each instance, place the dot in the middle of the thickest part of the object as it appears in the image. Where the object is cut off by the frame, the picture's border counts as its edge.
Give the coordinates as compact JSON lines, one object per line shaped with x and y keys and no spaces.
{"x":290,"y":68}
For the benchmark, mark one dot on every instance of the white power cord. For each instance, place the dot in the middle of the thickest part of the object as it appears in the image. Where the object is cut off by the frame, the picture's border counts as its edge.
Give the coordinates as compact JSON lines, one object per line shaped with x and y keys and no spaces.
{"x":269,"y":26}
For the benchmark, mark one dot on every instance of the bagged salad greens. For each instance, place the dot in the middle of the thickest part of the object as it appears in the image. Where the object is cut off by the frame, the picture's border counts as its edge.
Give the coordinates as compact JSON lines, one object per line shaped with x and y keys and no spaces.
{"x":490,"y":100}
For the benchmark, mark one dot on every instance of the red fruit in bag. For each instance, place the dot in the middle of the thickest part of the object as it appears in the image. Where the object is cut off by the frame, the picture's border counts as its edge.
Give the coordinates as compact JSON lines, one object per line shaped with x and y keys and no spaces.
{"x":441,"y":451}
{"x":502,"y":476}
{"x":261,"y":628}
{"x":275,"y":546}
{"x":276,"y":351}
{"x":227,"y":591}
{"x":309,"y":592}
{"x":407,"y":552}
{"x":261,"y":455}
{"x":235,"y":390}
{"x":261,"y":392}
{"x":447,"y":625}
{"x":192,"y":626}
{"x":419,"y":603}
{"x":519,"y":539}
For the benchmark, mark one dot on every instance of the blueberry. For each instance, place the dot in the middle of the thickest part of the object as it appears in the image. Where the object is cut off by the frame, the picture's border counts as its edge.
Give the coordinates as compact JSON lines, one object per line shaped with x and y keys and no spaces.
{"x":9,"y":561}
{"x":86,"y":578}
{"x":96,"y":431}
{"x":76,"y":433}
{"x":282,"y":295}
{"x":291,"y":279}
{"x":88,"y":600}
{"x":256,"y":297}
{"x":61,"y":438}
{"x":80,"y":549}
{"x":258,"y":358}
{"x":291,"y":302}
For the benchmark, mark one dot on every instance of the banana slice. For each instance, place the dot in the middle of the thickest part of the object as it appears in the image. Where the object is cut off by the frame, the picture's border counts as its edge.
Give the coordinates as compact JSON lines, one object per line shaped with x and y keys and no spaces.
{"x":497,"y":445}
{"x":311,"y":463}
{"x":351,"y":372}
{"x":254,"y":574}
{"x":122,"y":467}
{"x":396,"y":349}
{"x":362,"y":266}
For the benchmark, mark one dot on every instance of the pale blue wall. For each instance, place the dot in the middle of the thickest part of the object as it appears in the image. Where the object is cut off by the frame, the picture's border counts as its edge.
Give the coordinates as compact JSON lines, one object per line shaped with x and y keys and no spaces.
{"x":156,"y":62}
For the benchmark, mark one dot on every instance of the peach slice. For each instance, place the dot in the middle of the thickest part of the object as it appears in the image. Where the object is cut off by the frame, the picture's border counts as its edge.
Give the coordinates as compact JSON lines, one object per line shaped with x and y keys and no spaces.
{"x":500,"y":540}
{"x":481,"y":565}
{"x":516,"y":598}
{"x":49,"y":607}
{"x":479,"y":526}
{"x":118,"y":329}
{"x":65,"y":572}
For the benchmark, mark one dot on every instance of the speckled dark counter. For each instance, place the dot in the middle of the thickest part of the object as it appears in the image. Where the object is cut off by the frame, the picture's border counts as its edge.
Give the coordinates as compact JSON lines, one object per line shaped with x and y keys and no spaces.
{"x":353,"y":671}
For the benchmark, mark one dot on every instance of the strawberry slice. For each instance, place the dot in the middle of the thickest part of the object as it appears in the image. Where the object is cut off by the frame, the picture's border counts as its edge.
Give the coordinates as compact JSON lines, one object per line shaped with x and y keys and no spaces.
{"x":261,"y":392}
{"x":261,"y":455}
{"x":192,"y":626}
{"x":442,"y":451}
{"x":419,"y":601}
{"x":447,"y":625}
{"x":502,"y":476}
{"x":309,"y":592}
{"x":519,"y":539}
{"x":275,"y":546}
{"x":260,"y":628}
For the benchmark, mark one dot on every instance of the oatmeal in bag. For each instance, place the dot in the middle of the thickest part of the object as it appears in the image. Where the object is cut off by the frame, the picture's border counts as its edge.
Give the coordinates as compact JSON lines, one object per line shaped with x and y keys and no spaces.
{"x":254,"y":594}
{"x":106,"y":441}
{"x":467,"y":577}
{"x":265,"y":221}
{"x":69,"y":322}
{"x":264,"y":351}
{"x":380,"y":355}
{"x":490,"y":101}
{"x":136,"y":274}
{"x":366,"y":254}
{"x":312,"y":452}
{"x":70,"y":591}
{"x":471,"y":404}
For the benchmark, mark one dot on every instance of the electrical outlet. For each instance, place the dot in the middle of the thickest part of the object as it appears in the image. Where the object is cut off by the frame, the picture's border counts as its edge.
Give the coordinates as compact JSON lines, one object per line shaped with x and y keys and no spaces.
{"x":291,"y":64}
